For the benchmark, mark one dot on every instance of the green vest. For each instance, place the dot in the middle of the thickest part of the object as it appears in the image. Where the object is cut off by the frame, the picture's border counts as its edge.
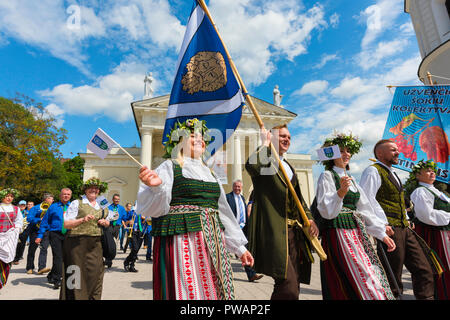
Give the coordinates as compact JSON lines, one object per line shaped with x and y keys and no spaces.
{"x":391,"y":198}
{"x":345,"y":219}
{"x":182,"y":218}
{"x":438,"y":204}
{"x":90,"y":228}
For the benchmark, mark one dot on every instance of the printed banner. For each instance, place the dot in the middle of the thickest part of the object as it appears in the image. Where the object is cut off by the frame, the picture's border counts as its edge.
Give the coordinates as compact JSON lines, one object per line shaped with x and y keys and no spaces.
{"x":205,"y":86}
{"x":419,"y":123}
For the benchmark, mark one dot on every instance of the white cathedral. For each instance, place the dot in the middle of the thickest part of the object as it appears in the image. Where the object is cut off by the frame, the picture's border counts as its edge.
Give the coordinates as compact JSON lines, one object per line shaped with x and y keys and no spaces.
{"x":121,"y":172}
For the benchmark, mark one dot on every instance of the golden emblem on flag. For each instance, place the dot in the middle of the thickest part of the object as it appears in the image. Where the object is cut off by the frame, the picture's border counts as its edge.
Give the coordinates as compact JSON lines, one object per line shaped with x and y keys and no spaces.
{"x":206,"y":71}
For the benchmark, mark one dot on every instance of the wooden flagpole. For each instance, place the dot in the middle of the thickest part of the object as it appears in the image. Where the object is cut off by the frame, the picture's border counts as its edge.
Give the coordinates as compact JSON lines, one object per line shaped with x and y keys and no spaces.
{"x":306,"y":224}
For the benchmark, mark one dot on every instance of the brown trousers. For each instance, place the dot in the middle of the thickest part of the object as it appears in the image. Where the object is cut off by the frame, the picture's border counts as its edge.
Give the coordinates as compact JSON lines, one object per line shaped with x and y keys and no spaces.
{"x":289,"y":288}
{"x":82,"y":268}
{"x":410,"y":253}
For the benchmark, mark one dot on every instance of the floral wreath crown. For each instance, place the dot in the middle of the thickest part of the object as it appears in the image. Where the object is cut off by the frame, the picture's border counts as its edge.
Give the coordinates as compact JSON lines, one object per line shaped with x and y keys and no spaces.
{"x":7,"y":191}
{"x":184,"y":129}
{"x":422,"y":165}
{"x":346,"y":141}
{"x":412,"y":182}
{"x":94,"y":182}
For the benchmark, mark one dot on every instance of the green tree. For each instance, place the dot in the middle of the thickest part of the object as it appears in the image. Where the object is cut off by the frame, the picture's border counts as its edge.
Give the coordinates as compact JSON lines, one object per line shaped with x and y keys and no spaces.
{"x":74,"y":173}
{"x":29,"y":148}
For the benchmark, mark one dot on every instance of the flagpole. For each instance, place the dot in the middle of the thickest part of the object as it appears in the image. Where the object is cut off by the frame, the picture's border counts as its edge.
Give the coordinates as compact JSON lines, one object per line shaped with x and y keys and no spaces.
{"x":306,"y":224}
{"x":126,"y":152}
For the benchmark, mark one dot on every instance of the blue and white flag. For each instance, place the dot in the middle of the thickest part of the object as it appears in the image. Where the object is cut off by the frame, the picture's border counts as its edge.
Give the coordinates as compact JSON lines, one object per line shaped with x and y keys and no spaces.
{"x":329,"y":153}
{"x":101,"y":143}
{"x":205,"y":86}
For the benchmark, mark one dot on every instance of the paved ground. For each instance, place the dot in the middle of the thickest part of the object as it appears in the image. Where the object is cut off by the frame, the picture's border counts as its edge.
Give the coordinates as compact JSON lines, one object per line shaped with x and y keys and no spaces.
{"x":121,"y":285}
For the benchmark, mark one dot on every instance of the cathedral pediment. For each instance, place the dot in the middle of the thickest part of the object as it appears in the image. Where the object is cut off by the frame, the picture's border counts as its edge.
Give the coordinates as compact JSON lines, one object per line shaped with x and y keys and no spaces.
{"x":159,"y":104}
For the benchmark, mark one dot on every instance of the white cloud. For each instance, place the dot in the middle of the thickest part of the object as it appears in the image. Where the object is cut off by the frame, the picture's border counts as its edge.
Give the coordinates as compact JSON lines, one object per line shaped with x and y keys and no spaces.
{"x":334,"y":20}
{"x":379,"y":18}
{"x":272,"y":30}
{"x":46,"y":25}
{"x":385,"y":49}
{"x":325,"y":59}
{"x":357,"y":104}
{"x":110,"y":95}
{"x":313,"y":88}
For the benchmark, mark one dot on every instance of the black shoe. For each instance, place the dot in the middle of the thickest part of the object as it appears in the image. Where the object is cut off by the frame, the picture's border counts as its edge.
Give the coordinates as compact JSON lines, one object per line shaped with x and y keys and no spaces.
{"x":56,"y":284}
{"x":126,"y":267}
{"x":132,"y":269}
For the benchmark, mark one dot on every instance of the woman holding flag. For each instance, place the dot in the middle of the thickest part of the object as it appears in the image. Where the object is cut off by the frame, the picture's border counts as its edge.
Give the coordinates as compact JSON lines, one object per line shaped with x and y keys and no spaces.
{"x":192,"y":223}
{"x":352,"y":270}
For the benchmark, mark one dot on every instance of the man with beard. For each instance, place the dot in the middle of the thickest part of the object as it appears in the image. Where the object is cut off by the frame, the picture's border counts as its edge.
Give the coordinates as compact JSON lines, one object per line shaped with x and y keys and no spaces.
{"x":386,"y":195}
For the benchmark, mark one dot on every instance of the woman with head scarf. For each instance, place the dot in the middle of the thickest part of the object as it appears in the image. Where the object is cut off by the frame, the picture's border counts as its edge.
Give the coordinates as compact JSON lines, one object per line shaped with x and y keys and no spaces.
{"x":432,"y":219}
{"x":352,"y":270}
{"x":11,"y":221}
{"x":192,"y":223}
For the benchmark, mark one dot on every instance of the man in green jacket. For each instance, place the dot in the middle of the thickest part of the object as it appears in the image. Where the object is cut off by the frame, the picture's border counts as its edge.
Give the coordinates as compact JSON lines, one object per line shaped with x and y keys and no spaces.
{"x":278,"y":245}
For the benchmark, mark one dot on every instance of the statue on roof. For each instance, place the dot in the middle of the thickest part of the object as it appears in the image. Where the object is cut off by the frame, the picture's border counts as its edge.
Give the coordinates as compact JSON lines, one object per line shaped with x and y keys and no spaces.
{"x":148,"y":90}
{"x":277,"y":97}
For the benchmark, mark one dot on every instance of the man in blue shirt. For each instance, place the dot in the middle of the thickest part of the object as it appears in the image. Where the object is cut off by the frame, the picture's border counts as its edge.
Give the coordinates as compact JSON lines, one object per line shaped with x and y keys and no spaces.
{"x":53,"y":221}
{"x":34,"y":218}
{"x":136,"y":242}
{"x":116,"y":208}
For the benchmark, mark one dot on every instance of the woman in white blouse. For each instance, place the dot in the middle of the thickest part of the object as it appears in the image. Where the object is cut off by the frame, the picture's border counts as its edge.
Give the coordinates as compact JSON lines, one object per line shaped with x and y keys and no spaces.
{"x":432,"y":218}
{"x":11,"y":221}
{"x":352,"y":269}
{"x":82,"y":248}
{"x":192,"y":223}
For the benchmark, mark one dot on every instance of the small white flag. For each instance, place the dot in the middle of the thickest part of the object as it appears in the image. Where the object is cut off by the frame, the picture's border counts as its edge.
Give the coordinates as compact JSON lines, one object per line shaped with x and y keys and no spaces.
{"x":329,"y":153}
{"x":101,"y":143}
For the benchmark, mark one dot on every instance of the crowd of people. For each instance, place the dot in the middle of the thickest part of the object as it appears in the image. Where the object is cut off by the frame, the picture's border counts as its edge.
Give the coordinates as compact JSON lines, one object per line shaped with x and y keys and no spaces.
{"x":73,"y":230}
{"x":369,"y":230}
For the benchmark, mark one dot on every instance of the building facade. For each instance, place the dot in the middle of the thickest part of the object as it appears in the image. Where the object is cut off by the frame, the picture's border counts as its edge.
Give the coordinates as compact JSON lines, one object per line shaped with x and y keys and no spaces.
{"x":121,"y":172}
{"x":431,"y":22}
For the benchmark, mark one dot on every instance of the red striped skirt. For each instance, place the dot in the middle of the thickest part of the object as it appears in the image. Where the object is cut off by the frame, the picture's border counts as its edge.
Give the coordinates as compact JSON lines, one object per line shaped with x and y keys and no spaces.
{"x":439,"y":241}
{"x":349,"y":272}
{"x":4,"y":273}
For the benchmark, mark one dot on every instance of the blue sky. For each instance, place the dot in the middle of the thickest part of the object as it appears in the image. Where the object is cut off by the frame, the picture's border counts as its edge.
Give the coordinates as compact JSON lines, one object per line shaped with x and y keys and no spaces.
{"x":332,"y":59}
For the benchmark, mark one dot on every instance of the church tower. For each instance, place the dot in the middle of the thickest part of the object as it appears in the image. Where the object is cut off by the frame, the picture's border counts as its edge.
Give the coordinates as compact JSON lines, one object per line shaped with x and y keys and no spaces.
{"x":431,"y":21}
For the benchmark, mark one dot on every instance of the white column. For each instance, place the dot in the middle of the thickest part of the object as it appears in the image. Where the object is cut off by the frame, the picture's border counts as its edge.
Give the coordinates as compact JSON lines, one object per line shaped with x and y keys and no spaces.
{"x":146,"y":147}
{"x":236,"y":172}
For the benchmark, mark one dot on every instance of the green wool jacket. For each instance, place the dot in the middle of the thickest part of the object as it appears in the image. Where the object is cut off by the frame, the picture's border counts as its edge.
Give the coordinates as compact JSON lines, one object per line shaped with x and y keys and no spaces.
{"x":267,"y":225}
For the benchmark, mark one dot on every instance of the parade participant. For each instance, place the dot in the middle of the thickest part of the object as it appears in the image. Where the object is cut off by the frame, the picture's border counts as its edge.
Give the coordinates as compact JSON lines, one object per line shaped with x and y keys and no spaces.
{"x":119,"y":210}
{"x":237,"y":204}
{"x":192,"y":223}
{"x":24,"y":232}
{"x":53,"y":222}
{"x":34,"y":218}
{"x":123,"y":228}
{"x":11,"y":221}
{"x":386,"y":195}
{"x":148,"y":239}
{"x":82,"y":247}
{"x":137,"y":236}
{"x":279,"y":247}
{"x":432,"y":218}
{"x":352,"y":270}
